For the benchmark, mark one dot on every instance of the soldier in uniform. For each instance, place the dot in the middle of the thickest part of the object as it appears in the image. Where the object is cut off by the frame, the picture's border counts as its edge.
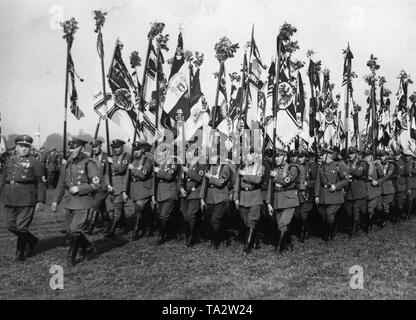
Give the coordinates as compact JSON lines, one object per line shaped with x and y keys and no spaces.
{"x":100,"y":157}
{"x":410,"y":182}
{"x":78,"y":182}
{"x":166,"y":194}
{"x":248,"y":195}
{"x":283,"y":196}
{"x":331,"y":179}
{"x":24,"y":186}
{"x":400,"y":185}
{"x":190,"y":190}
{"x":306,"y":197}
{"x":375,"y":179}
{"x":387,"y":187}
{"x":117,"y":191}
{"x":52,"y":164}
{"x":356,"y":198}
{"x":215,"y":195}
{"x":141,"y":184}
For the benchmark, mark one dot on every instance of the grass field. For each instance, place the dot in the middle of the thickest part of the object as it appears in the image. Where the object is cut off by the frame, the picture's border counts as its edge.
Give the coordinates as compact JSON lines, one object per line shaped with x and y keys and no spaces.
{"x":142,"y":270}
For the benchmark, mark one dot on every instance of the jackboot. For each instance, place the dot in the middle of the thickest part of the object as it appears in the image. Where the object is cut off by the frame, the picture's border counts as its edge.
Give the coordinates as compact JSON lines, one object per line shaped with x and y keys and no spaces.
{"x":191,"y":235}
{"x":304,"y":232}
{"x":250,"y":241}
{"x":162,"y":233}
{"x":138,"y":224}
{"x":354,"y":229}
{"x":408,"y":211}
{"x":73,"y":249}
{"x":215,"y":240}
{"x":331,"y":231}
{"x":87,"y":249}
{"x":20,"y":246}
{"x":32,"y":241}
{"x":281,"y":241}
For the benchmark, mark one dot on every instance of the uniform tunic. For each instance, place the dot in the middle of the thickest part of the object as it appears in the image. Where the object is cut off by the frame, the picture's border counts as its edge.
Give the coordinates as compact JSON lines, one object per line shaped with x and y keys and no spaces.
{"x":84,"y":173}
{"x":330,"y":202}
{"x":248,"y":191}
{"x":356,"y":199}
{"x":101,"y":194}
{"x":23,"y":185}
{"x":217,"y":193}
{"x":167,"y":189}
{"x":400,"y":183}
{"x":141,"y":180}
{"x":119,"y":173}
{"x":306,"y":194}
{"x":192,"y":183}
{"x":387,"y":188}
{"x":283,"y":194}
{"x":374,"y":200}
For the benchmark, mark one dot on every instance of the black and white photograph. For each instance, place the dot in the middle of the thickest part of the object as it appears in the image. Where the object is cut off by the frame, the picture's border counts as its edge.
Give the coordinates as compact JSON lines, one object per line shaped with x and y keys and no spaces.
{"x":207,"y":154}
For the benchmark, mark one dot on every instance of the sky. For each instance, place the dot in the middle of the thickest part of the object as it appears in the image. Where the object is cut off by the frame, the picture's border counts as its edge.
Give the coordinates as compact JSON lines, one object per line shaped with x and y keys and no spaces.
{"x":32,"y":51}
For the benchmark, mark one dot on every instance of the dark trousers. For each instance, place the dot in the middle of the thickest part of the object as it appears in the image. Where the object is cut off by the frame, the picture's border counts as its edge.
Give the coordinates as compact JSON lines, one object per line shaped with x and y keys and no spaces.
{"x":216,"y":213}
{"x":18,"y":218}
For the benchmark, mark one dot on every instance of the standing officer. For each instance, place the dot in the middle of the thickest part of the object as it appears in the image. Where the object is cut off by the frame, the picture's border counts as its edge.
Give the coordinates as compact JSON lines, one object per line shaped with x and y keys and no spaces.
{"x":356,"y":199}
{"x":190,"y":190}
{"x":375,"y":179}
{"x":331,"y":179}
{"x":387,"y":187}
{"x":410,"y":183}
{"x":248,"y":194}
{"x":306,"y":196}
{"x":167,"y":174}
{"x":141,"y":183}
{"x":23,"y":183}
{"x":100,"y":196}
{"x":78,"y":182}
{"x":215,"y":194}
{"x":118,"y":196}
{"x":283,"y":196}
{"x":400,"y":185}
{"x":52,"y":163}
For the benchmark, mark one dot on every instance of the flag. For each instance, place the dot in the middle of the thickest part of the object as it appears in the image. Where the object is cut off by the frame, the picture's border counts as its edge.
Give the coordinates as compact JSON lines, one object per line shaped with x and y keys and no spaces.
{"x":347,"y":83}
{"x":221,"y":121}
{"x":75,"y":109}
{"x":412,"y":121}
{"x":256,"y":66}
{"x":329,"y":120}
{"x":124,"y":99}
{"x":270,"y":102}
{"x":384,"y":120}
{"x":315,"y":84}
{"x":177,"y":93}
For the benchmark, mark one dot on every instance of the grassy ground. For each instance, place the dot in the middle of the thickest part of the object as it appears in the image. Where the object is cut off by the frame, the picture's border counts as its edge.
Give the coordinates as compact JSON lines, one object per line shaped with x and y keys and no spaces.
{"x":142,"y":270}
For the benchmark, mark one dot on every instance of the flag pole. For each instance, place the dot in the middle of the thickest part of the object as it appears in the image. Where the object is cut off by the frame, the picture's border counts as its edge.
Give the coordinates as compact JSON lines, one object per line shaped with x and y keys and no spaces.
{"x":157,"y":117}
{"x":68,"y":48}
{"x":347,"y":101}
{"x":276,"y":96}
{"x":100,"y":19}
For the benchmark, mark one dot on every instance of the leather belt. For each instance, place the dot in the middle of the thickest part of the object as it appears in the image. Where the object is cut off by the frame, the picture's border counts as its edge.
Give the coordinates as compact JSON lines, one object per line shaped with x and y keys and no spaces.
{"x":250,"y":188}
{"x":280,"y":189}
{"x":12,"y":182}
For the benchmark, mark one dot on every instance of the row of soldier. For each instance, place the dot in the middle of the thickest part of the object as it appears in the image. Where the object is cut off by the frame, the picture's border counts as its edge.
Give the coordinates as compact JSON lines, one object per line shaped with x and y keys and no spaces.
{"x":271,"y":188}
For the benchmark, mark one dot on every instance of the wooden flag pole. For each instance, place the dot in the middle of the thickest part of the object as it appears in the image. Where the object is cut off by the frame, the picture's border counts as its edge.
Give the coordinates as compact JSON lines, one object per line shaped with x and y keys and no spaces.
{"x":68,"y":49}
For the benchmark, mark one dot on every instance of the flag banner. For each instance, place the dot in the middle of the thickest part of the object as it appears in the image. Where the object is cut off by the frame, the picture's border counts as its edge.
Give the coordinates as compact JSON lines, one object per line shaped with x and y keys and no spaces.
{"x":256,"y":67}
{"x":75,"y":109}
{"x":270,"y":102}
{"x":329,"y":109}
{"x":384,"y":120}
{"x":222,"y":119}
{"x":287,"y":121}
{"x":400,"y":117}
{"x":315,"y":84}
{"x":125,"y":98}
{"x":412,"y":118}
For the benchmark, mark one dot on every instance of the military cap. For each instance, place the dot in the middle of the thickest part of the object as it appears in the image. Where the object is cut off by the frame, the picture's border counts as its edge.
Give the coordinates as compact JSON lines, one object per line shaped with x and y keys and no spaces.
{"x":353,"y":150}
{"x":137,"y":145}
{"x":382,"y":153}
{"x":24,"y":139}
{"x":326,"y":151}
{"x":293,"y":153}
{"x":280,"y":152}
{"x":117,"y":143}
{"x":268,"y":153}
{"x":75,"y":142}
{"x":96,"y":142}
{"x":304,"y":153}
{"x":367,"y":153}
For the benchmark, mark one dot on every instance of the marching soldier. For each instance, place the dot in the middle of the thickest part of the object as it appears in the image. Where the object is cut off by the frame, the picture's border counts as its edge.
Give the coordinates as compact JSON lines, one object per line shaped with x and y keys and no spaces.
{"x":166,"y":193}
{"x":331,"y":179}
{"x":190,"y":190}
{"x":215,"y":195}
{"x":306,"y":196}
{"x":78,"y":182}
{"x":410,"y":182}
{"x":118,"y":196}
{"x":356,"y":199}
{"x":283,"y":196}
{"x":249,"y":195}
{"x":375,"y":179}
{"x":387,"y":187}
{"x":400,"y":185}
{"x":141,"y":183}
{"x":100,"y":196}
{"x":24,"y":186}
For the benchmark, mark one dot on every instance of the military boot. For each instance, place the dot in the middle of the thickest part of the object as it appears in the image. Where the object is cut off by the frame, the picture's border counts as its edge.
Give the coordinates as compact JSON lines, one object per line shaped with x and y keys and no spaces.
{"x":331,"y":231}
{"x":87,"y":249}
{"x":162,"y":233}
{"x":21,"y":246}
{"x":304,"y":232}
{"x":281,"y":245}
{"x":73,"y":250}
{"x":408,"y":212}
{"x":32,"y":241}
{"x":215,"y":240}
{"x":250,"y":241}
{"x":137,"y":225}
{"x":191,"y":236}
{"x":354,"y":229}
